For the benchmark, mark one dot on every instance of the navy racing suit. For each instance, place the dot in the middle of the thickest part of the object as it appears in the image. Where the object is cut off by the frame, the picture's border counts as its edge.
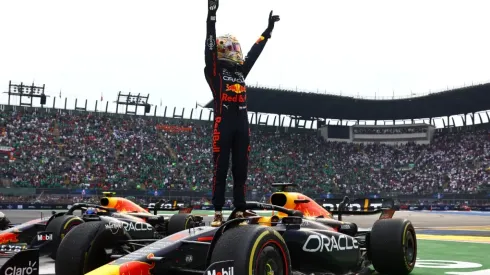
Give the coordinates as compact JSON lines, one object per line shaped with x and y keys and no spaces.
{"x":231,"y":130}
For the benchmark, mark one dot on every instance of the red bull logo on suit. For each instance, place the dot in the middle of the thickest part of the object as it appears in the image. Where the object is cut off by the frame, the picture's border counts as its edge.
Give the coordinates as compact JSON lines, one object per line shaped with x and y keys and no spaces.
{"x":235,"y":98}
{"x":236,"y":88}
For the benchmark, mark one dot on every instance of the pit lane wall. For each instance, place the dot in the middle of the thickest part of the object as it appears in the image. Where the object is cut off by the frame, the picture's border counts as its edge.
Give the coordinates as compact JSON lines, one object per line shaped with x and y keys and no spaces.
{"x":355,"y":205}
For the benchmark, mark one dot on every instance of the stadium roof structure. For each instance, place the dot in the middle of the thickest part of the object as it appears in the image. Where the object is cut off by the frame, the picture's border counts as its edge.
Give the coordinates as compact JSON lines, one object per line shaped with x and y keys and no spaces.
{"x":311,"y":105}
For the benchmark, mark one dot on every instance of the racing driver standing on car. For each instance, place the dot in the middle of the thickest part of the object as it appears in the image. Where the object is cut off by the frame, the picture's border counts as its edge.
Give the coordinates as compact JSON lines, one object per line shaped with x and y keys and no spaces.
{"x":226,"y":71}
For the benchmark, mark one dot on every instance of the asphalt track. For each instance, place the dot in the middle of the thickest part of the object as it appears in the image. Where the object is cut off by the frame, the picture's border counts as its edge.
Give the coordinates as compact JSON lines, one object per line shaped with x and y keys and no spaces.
{"x":436,"y":227}
{"x":419,"y":219}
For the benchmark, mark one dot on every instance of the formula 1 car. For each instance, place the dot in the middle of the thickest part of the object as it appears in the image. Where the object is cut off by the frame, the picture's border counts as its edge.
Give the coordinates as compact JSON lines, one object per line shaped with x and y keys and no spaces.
{"x":324,"y":214}
{"x":46,"y":233}
{"x":285,"y":243}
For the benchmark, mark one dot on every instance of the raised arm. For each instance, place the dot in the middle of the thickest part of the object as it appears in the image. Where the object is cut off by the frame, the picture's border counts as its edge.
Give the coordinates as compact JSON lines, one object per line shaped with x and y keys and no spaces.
{"x":257,"y":48}
{"x":210,"y":52}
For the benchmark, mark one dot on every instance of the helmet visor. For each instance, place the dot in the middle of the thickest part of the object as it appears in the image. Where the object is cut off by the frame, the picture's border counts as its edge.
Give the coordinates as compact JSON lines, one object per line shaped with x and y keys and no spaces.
{"x":235,"y":47}
{"x":231,"y":47}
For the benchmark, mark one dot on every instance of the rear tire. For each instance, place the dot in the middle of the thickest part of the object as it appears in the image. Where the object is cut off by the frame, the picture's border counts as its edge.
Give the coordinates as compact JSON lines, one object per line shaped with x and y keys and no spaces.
{"x":393,"y":246}
{"x":262,"y":250}
{"x":179,"y":222}
{"x":60,"y":226}
{"x":83,"y":248}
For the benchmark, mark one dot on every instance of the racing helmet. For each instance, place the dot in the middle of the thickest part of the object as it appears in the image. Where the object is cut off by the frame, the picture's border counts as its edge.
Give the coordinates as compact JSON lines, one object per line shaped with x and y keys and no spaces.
{"x":229,"y":49}
{"x":4,"y":221}
{"x":91,"y":211}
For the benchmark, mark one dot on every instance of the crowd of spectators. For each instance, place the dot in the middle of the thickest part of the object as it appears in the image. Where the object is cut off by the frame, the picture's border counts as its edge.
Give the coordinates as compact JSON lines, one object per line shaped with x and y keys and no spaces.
{"x":83,"y":150}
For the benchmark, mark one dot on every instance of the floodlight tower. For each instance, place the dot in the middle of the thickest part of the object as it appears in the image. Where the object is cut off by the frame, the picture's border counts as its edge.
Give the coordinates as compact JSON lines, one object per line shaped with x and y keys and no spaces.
{"x":132,"y":100}
{"x":24,"y":91}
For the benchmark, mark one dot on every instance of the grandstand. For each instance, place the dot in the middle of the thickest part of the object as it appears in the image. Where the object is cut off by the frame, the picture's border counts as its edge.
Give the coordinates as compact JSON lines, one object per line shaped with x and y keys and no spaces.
{"x":467,"y":104}
{"x":58,"y":151}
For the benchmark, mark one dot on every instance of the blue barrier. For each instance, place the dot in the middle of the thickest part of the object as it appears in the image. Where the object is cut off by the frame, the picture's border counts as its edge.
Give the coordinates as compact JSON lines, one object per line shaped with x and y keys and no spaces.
{"x":34,"y":206}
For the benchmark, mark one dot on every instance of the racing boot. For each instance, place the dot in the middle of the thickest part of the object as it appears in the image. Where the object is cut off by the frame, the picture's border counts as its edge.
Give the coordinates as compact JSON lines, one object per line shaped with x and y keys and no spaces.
{"x":218,"y":219}
{"x":239,"y":215}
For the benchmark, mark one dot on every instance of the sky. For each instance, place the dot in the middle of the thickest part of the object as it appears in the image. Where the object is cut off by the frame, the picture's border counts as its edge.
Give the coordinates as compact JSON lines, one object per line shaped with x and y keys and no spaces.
{"x":93,"y":49}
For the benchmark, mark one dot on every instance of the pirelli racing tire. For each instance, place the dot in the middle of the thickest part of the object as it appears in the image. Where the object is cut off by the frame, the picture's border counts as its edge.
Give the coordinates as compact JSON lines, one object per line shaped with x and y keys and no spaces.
{"x":254,"y":249}
{"x":60,"y":226}
{"x":393,"y":246}
{"x":84,"y":248}
{"x":179,"y":222}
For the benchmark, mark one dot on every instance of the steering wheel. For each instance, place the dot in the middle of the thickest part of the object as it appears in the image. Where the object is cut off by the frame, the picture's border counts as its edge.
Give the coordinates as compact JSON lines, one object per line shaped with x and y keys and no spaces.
{"x":250,"y":206}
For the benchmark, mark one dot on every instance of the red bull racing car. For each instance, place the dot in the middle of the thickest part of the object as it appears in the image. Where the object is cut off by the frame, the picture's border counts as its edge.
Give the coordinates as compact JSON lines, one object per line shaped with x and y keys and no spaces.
{"x":287,"y":242}
{"x":46,"y":233}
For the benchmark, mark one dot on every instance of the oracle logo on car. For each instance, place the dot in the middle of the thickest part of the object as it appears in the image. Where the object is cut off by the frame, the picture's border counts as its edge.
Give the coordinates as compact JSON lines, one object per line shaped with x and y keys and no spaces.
{"x":318,"y":243}
{"x":114,"y":227}
{"x":137,"y":226}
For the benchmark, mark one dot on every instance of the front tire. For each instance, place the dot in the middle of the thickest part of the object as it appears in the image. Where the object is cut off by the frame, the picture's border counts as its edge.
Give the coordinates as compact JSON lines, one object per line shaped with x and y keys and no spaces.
{"x":261,"y":250}
{"x":83,"y":248}
{"x":179,"y":222}
{"x":60,"y":226}
{"x":393,"y":246}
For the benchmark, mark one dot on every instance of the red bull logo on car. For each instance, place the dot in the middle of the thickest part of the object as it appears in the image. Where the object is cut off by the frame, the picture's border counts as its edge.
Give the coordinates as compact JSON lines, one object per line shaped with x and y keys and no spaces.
{"x":122,"y":205}
{"x":8,"y":237}
{"x":310,"y":208}
{"x":136,"y":268}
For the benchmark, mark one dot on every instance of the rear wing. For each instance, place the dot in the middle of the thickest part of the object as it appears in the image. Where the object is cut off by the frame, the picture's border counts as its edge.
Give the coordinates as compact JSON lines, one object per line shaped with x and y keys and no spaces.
{"x":366,"y":206}
{"x":108,"y":194}
{"x":21,"y":262}
{"x":167,"y":206}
